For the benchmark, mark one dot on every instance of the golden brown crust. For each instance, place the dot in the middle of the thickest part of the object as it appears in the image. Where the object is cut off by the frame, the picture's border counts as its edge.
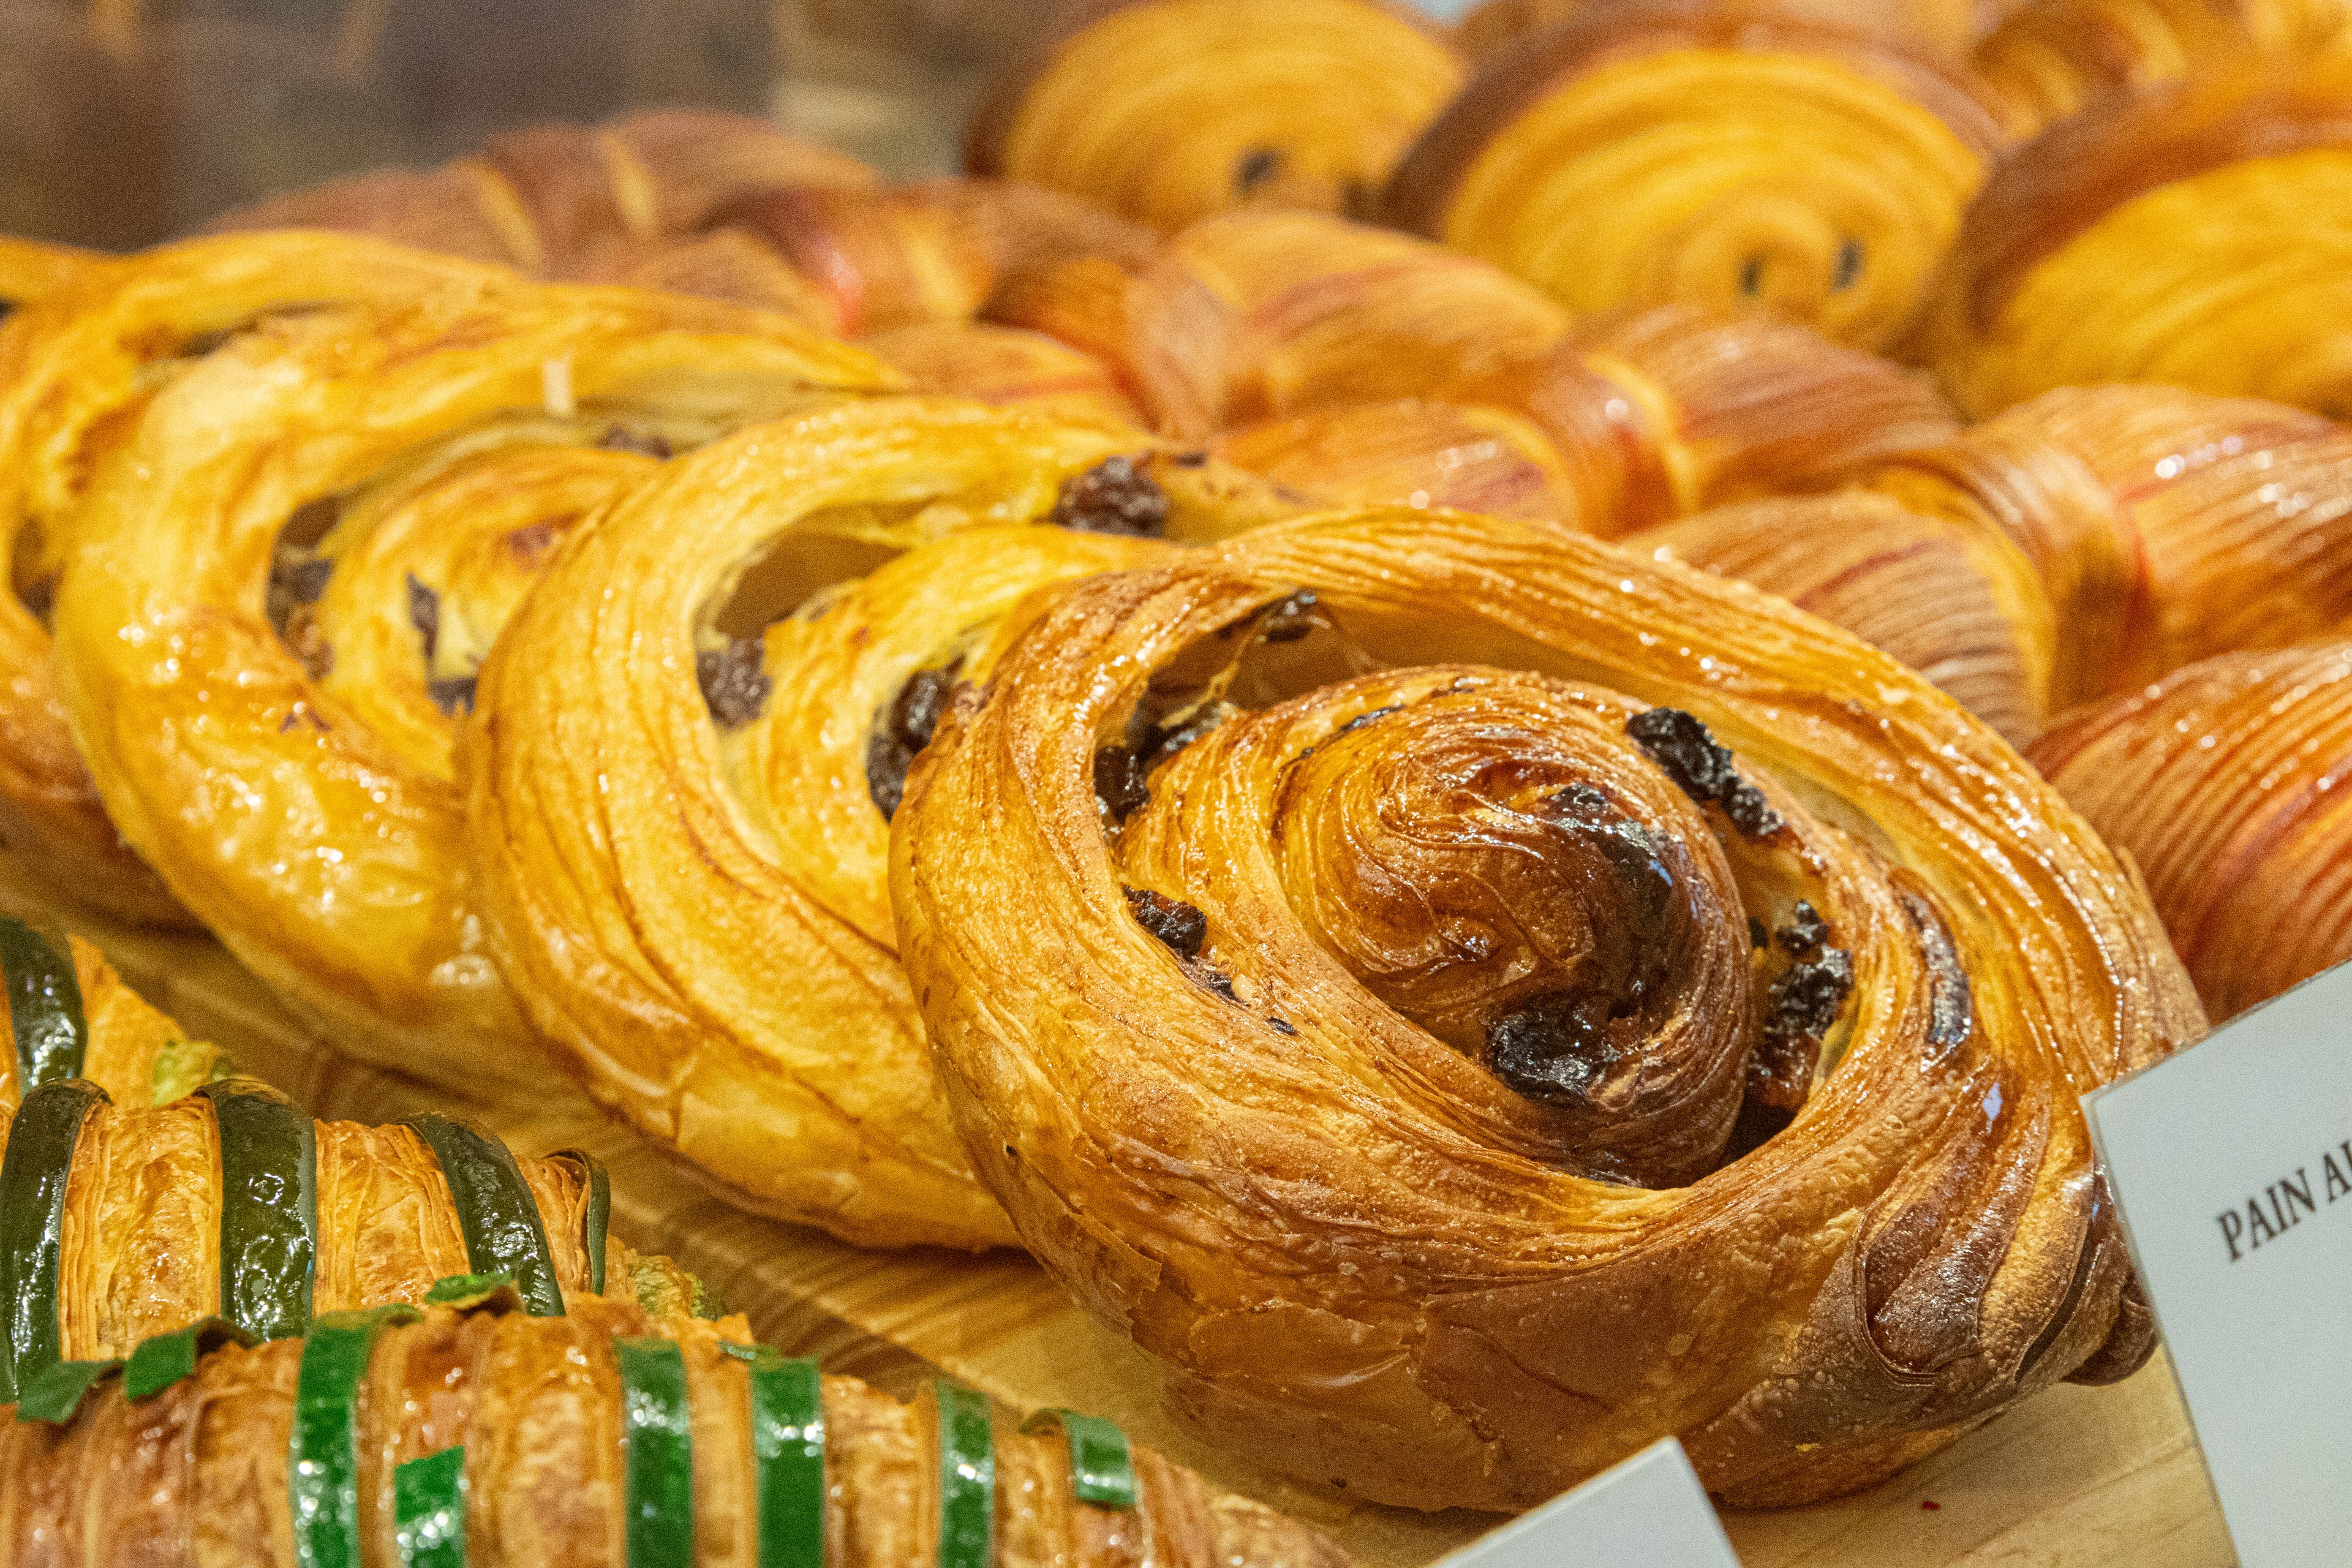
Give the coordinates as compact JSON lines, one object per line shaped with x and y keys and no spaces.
{"x":199,"y":1471}
{"x":2222,"y":782}
{"x":1742,"y":153}
{"x":345,"y":892}
{"x":1948,"y":26}
{"x":1364,"y":1257}
{"x":1167,"y":110}
{"x":30,"y":269}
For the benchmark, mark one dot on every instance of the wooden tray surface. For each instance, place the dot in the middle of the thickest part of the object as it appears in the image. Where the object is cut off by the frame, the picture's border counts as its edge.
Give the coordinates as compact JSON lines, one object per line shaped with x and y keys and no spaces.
{"x":2078,"y":1477}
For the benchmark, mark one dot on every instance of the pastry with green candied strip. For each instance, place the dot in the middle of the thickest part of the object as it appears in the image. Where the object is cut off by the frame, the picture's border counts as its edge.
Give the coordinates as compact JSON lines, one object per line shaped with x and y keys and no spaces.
{"x":123,"y":1218}
{"x":471,"y":1431}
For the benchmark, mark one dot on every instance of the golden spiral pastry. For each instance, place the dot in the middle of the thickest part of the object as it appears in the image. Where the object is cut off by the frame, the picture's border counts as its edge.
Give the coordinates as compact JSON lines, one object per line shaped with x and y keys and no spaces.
{"x":1460,"y":1074}
{"x":2193,"y":234}
{"x":1167,"y":110}
{"x":565,"y":201}
{"x":282,"y":573}
{"x":2223,"y":782}
{"x":2051,"y":58}
{"x":686,"y":749}
{"x":1468,"y":456}
{"x":72,"y":371}
{"x":1737,"y":154}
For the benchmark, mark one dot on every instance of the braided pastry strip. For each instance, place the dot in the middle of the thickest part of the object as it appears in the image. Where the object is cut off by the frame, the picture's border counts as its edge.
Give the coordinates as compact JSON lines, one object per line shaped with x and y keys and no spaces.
{"x":652,"y":850}
{"x":605,"y":1437}
{"x":1327,"y":1072}
{"x":325,"y":851}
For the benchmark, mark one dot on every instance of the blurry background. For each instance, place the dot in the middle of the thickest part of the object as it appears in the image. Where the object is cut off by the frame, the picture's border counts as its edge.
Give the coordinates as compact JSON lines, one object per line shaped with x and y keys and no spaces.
{"x":122,"y":122}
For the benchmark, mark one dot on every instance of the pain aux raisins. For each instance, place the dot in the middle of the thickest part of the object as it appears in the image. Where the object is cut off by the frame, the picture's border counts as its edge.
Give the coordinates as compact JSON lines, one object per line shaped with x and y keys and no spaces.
{"x":1115,"y":496}
{"x":1703,"y":768}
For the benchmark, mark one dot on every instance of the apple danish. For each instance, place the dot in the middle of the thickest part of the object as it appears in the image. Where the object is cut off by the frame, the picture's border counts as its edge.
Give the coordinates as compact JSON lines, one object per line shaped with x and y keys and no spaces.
{"x":72,"y":372}
{"x":2219,"y":781}
{"x":1167,"y":110}
{"x":2189,"y":235}
{"x":1739,"y":154}
{"x":400,"y":1437}
{"x":687,"y":747}
{"x":1669,"y":1017}
{"x":282,"y":577}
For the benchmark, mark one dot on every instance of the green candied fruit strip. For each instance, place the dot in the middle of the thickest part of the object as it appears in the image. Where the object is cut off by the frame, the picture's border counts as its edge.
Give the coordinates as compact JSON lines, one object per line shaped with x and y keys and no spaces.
{"x":462,"y":1291}
{"x":322,"y":1457}
{"x":44,"y":1007}
{"x":159,"y":1362}
{"x":428,"y":1510}
{"x":596,"y":1221}
{"x":503,"y":1231}
{"x":269,"y":1207}
{"x":1102,"y":1466}
{"x":659,"y":1438}
{"x":33,"y":1176}
{"x":56,"y":1396}
{"x":183,"y":1066}
{"x":967,"y":1477}
{"x":787,"y":1455}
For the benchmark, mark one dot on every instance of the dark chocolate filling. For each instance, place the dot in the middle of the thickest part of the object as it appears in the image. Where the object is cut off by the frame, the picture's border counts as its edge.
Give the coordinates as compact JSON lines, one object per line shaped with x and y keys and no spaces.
{"x":905,"y":727}
{"x":1113,"y":497}
{"x":1254,"y":168}
{"x":425,"y":615}
{"x":621,"y":438}
{"x":1179,"y":925}
{"x":1702,"y":768}
{"x":734,"y":688}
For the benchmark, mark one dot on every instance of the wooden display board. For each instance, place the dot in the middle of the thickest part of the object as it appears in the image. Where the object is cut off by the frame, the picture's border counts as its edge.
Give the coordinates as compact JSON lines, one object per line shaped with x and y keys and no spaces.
{"x":2074,"y":1478}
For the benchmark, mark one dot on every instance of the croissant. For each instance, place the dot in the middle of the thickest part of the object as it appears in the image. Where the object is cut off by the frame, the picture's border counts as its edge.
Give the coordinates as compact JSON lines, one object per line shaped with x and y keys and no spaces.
{"x":2051,"y":58}
{"x":145,"y":1189}
{"x":282,"y":578}
{"x":1658,"y":414}
{"x":554,"y":199}
{"x":1008,"y":366}
{"x":1167,"y":110}
{"x":1739,"y":154}
{"x":2076,"y":547}
{"x":69,"y":371}
{"x":2219,"y":780}
{"x":30,"y":269}
{"x":471,"y":1431}
{"x":2179,"y":235}
{"x":1252,"y":315}
{"x":1460,"y":1074}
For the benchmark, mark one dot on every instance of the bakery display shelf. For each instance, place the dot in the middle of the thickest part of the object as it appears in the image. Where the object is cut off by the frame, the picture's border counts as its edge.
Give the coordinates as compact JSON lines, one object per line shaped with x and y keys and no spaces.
{"x":2075,"y":1477}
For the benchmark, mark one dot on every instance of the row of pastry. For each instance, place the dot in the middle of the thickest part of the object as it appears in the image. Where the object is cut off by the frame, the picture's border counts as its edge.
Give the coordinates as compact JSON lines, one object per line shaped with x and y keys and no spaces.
{"x":235,"y":1335}
{"x":1467,"y":997}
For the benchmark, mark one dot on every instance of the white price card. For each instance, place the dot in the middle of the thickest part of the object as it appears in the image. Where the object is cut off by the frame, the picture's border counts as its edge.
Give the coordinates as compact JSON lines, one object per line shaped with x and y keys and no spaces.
{"x":1649,"y":1510}
{"x":2232,"y":1167}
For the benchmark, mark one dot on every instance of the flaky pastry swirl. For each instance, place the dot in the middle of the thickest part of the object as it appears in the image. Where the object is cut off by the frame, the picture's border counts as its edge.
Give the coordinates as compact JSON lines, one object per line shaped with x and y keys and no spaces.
{"x":320,"y":837}
{"x":1350,"y":1066}
{"x":686,"y":747}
